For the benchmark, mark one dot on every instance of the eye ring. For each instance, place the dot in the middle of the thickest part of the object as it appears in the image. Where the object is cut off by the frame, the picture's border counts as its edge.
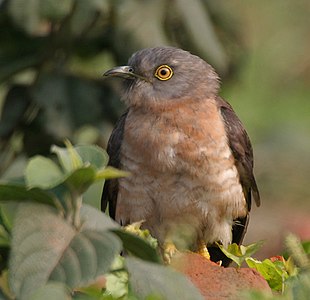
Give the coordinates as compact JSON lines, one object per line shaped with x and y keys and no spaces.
{"x":163,"y":72}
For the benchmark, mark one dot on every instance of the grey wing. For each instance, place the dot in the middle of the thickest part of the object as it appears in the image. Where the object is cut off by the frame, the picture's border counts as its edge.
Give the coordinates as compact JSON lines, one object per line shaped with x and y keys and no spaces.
{"x":110,"y":189}
{"x":241,"y":148}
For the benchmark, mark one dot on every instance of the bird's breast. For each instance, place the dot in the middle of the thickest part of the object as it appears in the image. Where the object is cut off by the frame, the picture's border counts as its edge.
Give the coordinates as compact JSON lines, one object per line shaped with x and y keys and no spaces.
{"x":183,"y":139}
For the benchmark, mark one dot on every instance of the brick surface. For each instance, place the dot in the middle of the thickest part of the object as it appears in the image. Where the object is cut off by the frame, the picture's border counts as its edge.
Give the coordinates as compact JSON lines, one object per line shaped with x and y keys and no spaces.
{"x":216,"y":282}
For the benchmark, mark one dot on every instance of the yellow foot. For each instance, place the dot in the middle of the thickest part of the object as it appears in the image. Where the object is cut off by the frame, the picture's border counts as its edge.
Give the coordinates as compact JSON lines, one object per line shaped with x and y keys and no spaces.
{"x":203,"y":250}
{"x":169,"y":250}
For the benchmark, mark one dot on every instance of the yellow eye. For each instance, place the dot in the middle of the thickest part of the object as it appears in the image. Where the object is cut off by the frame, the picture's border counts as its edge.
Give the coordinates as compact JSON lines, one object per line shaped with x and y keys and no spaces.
{"x":163,"y":72}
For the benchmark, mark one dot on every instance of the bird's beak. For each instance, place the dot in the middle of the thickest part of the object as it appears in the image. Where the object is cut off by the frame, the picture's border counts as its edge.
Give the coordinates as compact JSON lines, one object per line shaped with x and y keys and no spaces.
{"x":126,"y":72}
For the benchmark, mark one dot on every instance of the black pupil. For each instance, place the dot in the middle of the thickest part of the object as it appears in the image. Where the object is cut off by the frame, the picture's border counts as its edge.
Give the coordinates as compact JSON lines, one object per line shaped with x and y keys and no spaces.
{"x":163,"y":72}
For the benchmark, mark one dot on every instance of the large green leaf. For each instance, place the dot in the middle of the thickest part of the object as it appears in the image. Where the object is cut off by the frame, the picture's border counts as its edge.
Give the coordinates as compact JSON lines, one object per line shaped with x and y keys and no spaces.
{"x":42,"y":172}
{"x":19,"y":193}
{"x":94,"y":219}
{"x":82,"y":178}
{"x":51,"y":291}
{"x":274,"y":273}
{"x":137,"y":246}
{"x":299,"y":287}
{"x":148,"y":278}
{"x":45,"y":247}
{"x":94,"y":155}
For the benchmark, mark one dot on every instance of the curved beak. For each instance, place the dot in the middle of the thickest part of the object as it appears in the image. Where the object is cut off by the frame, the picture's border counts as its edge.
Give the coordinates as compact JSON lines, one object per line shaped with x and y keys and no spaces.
{"x":126,"y":72}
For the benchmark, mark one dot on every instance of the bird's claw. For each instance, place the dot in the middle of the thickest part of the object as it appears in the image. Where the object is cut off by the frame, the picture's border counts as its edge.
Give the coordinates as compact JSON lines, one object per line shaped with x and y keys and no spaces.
{"x":203,"y":250}
{"x":169,"y":250}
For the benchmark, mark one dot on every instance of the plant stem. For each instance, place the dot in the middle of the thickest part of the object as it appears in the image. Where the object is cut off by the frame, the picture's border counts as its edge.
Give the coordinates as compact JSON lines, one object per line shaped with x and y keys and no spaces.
{"x":76,"y":205}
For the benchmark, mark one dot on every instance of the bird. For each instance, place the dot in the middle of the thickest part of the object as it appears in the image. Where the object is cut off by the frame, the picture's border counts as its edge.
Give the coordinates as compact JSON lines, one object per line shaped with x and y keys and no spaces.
{"x":189,"y":156}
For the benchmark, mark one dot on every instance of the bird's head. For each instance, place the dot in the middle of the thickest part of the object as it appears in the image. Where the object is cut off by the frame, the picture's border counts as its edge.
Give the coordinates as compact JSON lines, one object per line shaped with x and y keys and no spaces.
{"x":161,"y":74}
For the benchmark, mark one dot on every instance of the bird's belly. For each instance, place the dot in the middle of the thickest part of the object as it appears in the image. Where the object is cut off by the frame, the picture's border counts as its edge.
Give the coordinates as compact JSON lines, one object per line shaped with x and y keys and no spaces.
{"x":202,"y":207}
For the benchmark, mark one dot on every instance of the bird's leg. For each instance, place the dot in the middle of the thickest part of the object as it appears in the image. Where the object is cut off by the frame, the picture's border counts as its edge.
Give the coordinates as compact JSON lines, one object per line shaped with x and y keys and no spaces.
{"x":202,"y":249}
{"x":169,"y":250}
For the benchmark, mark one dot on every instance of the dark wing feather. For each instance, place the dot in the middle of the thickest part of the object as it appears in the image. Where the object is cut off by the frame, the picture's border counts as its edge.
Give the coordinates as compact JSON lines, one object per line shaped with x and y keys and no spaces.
{"x":110,"y":189}
{"x":241,"y":148}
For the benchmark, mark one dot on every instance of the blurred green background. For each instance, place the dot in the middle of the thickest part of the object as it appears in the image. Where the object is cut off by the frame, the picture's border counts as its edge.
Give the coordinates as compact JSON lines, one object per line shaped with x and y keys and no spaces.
{"x":53,"y":54}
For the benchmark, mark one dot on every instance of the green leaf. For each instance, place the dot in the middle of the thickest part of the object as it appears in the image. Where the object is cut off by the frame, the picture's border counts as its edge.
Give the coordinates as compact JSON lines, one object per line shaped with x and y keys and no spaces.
{"x":306,"y":247}
{"x":5,"y":292}
{"x":93,"y":195}
{"x":239,"y":253}
{"x":94,"y":219}
{"x":110,"y":173}
{"x":146,"y":278}
{"x":82,"y":178}
{"x":45,"y":247}
{"x":273,"y":272}
{"x":8,"y":211}
{"x":93,"y":155}
{"x":68,"y":158}
{"x":137,"y":246}
{"x":4,"y":237}
{"x":42,"y":172}
{"x":290,"y":267}
{"x":51,"y":291}
{"x":88,"y":154}
{"x":299,"y":287}
{"x":19,"y":193}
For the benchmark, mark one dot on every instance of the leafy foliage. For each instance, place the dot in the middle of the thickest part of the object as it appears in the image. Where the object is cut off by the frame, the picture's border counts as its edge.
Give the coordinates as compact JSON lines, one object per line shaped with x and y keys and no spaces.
{"x":239,"y":254}
{"x":136,"y":245}
{"x":289,"y":276}
{"x":60,"y":247}
{"x":275,"y":272}
{"x":51,"y":291}
{"x":156,"y":282}
{"x":47,"y":247}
